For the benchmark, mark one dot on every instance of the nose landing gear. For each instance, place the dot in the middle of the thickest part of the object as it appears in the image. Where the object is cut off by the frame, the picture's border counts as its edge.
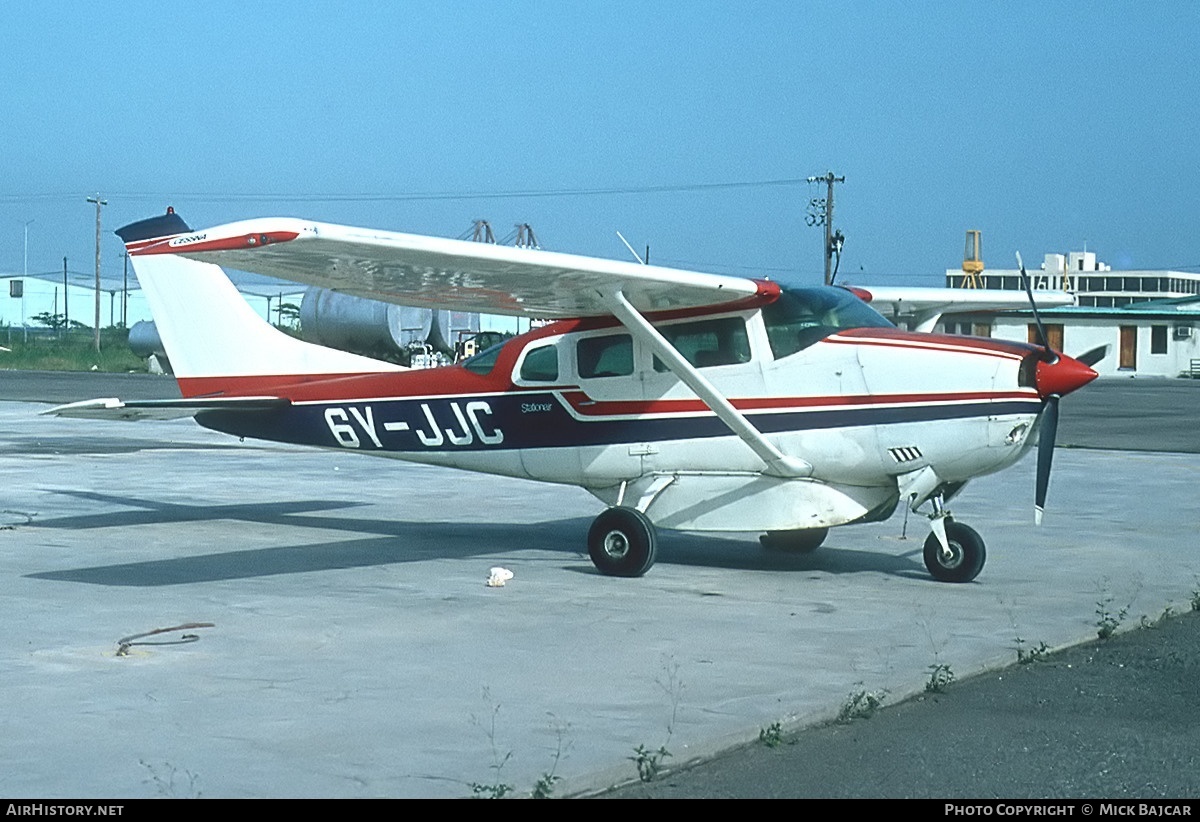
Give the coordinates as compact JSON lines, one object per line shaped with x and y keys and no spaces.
{"x":953,"y":552}
{"x":962,"y":556}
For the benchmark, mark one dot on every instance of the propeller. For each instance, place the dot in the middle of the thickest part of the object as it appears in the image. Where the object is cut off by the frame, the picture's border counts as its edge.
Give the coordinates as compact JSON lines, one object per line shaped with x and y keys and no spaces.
{"x":1048,"y":354}
{"x":1049,"y":431}
{"x":1094,"y":355}
{"x":1050,"y":398}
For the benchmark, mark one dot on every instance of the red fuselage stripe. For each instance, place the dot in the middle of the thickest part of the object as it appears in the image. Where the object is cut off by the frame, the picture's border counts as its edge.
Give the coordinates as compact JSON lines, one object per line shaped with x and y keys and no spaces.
{"x":360,"y":387}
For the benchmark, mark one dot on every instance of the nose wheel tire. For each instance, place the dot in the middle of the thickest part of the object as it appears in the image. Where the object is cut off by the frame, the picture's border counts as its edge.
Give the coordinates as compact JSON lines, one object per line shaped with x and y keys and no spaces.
{"x":965,"y":558}
{"x":800,"y":540}
{"x":622,"y":542}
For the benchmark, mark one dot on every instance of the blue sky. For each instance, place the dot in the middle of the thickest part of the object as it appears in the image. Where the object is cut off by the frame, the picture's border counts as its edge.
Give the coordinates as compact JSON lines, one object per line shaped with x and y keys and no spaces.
{"x":1047,"y":125}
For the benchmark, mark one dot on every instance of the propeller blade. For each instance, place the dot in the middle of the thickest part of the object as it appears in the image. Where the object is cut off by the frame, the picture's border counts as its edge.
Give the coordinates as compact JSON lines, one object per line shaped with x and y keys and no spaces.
{"x":1090,"y":358}
{"x":1049,"y":430}
{"x":1043,"y":340}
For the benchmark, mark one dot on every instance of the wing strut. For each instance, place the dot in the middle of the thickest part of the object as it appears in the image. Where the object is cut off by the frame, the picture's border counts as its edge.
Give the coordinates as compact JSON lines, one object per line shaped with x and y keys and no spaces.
{"x":778,"y":463}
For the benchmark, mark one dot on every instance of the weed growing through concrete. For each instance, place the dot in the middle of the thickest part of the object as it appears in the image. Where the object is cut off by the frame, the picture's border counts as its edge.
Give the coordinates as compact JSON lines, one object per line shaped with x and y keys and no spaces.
{"x":498,"y":789}
{"x":1027,"y":655}
{"x":1108,"y":620}
{"x":1167,"y":613}
{"x":940,"y":675}
{"x":544,"y":787}
{"x":650,"y":762}
{"x":860,"y":704}
{"x":940,"y":678}
{"x":772,"y":735}
{"x":165,"y":785}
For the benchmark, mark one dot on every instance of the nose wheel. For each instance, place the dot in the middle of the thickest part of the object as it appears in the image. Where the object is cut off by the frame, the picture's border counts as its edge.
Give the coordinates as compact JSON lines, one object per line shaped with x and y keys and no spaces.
{"x":622,"y":542}
{"x":960,"y":559}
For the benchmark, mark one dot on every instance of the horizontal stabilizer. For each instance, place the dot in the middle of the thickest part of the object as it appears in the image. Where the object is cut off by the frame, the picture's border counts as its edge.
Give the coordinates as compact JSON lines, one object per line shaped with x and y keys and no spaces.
{"x":111,"y":408}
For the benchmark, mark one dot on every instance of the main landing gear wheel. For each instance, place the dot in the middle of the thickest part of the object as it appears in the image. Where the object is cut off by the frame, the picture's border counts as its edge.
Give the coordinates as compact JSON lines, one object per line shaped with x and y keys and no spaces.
{"x":965,"y":559}
{"x":801,"y":540}
{"x":622,"y":542}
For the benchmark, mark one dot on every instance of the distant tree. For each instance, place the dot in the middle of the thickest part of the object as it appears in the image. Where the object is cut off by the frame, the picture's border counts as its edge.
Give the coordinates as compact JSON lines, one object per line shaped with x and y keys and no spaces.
{"x":289,"y":315}
{"x":56,"y":321}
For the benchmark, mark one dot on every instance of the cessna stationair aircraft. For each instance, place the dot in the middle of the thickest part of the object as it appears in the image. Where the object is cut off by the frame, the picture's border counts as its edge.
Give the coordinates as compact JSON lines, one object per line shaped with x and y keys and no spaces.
{"x":680,"y":399}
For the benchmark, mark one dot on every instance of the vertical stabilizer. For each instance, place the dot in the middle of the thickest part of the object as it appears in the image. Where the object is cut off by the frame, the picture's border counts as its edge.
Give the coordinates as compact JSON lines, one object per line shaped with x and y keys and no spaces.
{"x":208,"y":329}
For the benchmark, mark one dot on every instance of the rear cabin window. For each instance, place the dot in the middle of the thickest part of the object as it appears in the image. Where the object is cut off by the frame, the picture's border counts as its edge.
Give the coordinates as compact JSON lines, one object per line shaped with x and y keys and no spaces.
{"x":708,"y":342}
{"x":802,"y":316}
{"x":540,"y":364}
{"x":610,"y":356}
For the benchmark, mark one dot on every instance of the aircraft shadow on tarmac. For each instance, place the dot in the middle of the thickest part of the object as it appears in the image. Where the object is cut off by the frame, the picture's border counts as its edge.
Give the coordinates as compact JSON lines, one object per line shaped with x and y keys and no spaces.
{"x":107,"y":445}
{"x":395,"y":541}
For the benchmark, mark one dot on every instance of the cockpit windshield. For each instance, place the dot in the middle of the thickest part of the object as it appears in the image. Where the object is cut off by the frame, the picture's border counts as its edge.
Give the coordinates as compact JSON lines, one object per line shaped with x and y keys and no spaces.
{"x":802,"y":316}
{"x":483,"y":362}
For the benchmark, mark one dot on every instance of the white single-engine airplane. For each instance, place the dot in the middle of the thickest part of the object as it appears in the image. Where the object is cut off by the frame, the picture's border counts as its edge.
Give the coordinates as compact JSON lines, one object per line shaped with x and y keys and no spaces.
{"x":681,"y":399}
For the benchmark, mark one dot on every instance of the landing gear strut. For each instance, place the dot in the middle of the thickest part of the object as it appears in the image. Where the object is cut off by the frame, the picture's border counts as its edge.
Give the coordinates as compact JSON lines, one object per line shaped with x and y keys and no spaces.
{"x":622,"y":542}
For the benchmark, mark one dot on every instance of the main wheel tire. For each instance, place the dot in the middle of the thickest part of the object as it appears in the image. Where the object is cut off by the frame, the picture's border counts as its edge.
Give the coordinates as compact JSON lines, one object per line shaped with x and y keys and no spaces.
{"x":800,"y":540}
{"x":622,"y":542}
{"x":966,"y":558}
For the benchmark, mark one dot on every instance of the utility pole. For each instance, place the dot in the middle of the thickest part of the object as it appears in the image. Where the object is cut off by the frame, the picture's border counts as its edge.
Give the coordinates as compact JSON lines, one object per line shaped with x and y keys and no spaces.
{"x":66,"y":308}
{"x":821,"y":213}
{"x":125,"y":293}
{"x":24,"y":282}
{"x":100,"y":203}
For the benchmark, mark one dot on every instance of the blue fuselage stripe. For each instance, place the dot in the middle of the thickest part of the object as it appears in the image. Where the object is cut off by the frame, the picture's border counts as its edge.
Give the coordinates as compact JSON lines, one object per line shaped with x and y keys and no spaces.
{"x":542,"y":421}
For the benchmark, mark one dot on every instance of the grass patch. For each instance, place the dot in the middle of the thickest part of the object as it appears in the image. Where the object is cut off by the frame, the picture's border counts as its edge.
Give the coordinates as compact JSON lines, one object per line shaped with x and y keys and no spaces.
{"x":73,"y":350}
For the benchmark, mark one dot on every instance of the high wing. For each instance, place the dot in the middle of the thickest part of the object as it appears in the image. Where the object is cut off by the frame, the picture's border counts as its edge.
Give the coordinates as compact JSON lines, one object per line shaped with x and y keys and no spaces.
{"x":923,"y":307}
{"x":454,"y":274}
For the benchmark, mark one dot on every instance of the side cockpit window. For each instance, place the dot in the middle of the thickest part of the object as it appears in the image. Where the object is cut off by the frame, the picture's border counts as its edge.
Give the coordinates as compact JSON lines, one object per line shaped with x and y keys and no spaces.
{"x":540,"y":364}
{"x":708,"y":342}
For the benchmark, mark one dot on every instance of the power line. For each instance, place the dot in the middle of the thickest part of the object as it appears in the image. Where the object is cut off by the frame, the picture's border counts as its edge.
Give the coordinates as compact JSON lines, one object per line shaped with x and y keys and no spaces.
{"x":314,"y":197}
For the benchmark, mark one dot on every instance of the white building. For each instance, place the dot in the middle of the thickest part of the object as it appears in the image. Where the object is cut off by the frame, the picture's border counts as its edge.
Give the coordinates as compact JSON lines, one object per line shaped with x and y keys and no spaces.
{"x":1150,"y":320}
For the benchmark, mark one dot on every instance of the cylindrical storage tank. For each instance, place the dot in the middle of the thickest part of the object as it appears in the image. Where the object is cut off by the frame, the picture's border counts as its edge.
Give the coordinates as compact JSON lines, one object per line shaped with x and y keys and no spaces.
{"x":144,"y":341}
{"x":357,"y":324}
{"x":439,"y":332}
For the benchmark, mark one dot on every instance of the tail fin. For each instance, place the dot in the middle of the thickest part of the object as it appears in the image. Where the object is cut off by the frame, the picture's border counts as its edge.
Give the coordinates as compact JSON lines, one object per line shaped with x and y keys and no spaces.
{"x":211,"y":334}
